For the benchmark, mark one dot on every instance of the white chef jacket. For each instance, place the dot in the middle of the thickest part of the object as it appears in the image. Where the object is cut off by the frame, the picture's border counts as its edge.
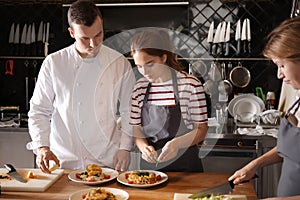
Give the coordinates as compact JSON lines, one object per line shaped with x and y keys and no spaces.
{"x":74,"y":105}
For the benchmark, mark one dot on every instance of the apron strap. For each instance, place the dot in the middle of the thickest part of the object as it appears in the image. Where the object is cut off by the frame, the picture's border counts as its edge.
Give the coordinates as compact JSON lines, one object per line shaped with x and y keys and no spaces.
{"x":294,"y":104}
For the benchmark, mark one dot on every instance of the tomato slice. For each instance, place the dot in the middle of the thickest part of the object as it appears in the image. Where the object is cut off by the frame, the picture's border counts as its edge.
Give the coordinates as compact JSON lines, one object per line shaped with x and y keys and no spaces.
{"x":78,"y":175}
{"x":130,"y":182}
{"x":83,"y":196}
{"x":158,"y":177}
{"x":91,"y":180}
{"x":106,"y":176}
{"x":126,"y":175}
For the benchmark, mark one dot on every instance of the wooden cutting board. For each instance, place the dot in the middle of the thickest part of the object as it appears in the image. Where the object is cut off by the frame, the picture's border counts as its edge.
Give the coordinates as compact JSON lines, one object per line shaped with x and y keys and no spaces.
{"x":183,"y":196}
{"x":39,"y":183}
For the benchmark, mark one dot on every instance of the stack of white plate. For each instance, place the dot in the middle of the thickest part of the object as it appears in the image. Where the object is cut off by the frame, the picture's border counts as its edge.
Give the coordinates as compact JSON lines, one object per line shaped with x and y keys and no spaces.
{"x":246,"y":107}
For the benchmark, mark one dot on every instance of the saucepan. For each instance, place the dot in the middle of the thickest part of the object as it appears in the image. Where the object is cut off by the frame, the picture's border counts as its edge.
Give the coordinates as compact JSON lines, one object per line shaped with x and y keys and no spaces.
{"x":198,"y":68}
{"x":240,"y":76}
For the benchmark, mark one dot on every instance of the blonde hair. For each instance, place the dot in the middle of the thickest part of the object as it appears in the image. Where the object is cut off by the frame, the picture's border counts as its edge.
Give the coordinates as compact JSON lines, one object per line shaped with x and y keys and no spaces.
{"x":284,"y":41}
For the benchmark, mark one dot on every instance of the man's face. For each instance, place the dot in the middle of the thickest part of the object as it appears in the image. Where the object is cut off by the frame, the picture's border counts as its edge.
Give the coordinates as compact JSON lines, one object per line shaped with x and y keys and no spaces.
{"x":88,"y":39}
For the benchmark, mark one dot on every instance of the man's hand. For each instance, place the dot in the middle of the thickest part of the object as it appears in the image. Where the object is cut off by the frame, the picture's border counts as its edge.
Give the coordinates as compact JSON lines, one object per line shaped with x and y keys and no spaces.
{"x":122,"y":160}
{"x":44,"y":155}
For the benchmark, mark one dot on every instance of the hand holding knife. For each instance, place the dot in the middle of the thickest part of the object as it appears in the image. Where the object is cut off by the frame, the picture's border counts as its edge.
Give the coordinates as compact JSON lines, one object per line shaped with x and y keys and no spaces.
{"x":13,"y":173}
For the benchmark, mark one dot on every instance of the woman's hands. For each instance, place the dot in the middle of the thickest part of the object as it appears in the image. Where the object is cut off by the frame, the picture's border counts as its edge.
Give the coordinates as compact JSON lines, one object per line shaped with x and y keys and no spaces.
{"x":169,"y":151}
{"x":244,"y":174}
{"x":149,"y":154}
{"x":44,"y":155}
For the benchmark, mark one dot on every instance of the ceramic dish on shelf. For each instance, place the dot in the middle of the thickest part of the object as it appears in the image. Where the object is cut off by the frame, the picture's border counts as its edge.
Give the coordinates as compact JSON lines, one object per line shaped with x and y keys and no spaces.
{"x":120,"y":194}
{"x":107,"y":171}
{"x":245,"y":107}
{"x":122,"y":179}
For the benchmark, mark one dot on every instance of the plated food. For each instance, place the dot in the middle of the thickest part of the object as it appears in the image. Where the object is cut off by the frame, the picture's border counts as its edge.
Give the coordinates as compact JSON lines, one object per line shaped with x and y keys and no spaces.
{"x":142,"y":178}
{"x":100,"y":193}
{"x":93,"y":175}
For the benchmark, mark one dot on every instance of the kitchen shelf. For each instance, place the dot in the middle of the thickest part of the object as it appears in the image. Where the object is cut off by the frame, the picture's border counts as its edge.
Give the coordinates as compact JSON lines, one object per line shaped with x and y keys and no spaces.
{"x":23,"y":57}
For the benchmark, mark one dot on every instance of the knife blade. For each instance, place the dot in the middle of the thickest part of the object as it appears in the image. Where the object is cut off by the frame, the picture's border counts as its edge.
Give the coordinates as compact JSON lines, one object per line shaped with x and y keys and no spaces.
{"x":216,"y":39}
{"x":28,"y":40}
{"x":16,"y":40}
{"x":13,"y":173}
{"x":222,"y":37}
{"x":238,"y":37}
{"x":244,"y":35}
{"x":249,"y":35}
{"x":11,"y":39}
{"x":40,"y":39}
{"x":227,"y":38}
{"x":224,"y":188}
{"x":33,"y":40}
{"x":210,"y":37}
{"x":47,"y":39}
{"x":23,"y":40}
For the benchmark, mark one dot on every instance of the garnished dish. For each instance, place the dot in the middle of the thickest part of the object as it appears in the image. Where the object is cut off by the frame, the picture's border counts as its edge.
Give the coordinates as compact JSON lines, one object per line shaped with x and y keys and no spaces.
{"x":142,"y":178}
{"x":100,"y":193}
{"x":93,"y":175}
{"x":212,"y":197}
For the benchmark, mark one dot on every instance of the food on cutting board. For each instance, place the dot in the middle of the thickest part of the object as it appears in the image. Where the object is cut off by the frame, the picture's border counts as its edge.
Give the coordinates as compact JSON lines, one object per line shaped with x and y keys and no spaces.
{"x":222,"y":197}
{"x":92,"y":173}
{"x":99,"y":194}
{"x":54,"y":167}
{"x":5,"y":176}
{"x":142,"y":177}
{"x":30,"y":174}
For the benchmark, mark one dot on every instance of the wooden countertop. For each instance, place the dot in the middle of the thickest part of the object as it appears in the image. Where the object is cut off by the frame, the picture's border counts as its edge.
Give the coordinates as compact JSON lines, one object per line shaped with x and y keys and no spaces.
{"x":178,"y":182}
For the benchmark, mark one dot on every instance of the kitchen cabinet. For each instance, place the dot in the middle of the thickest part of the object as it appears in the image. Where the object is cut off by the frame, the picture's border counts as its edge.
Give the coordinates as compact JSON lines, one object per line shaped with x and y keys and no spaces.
{"x":13,"y":148}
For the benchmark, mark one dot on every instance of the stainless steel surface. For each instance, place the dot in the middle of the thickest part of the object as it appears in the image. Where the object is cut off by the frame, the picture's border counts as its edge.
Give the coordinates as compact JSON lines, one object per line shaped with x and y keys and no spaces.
{"x":224,"y":188}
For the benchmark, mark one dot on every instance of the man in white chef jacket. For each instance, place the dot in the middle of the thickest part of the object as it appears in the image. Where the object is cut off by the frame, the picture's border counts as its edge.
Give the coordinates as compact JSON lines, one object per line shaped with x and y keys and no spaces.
{"x":72,"y":117}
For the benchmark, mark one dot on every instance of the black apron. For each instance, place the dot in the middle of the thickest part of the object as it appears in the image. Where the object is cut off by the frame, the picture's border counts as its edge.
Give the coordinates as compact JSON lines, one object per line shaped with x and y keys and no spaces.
{"x":288,"y":147}
{"x":161,"y":124}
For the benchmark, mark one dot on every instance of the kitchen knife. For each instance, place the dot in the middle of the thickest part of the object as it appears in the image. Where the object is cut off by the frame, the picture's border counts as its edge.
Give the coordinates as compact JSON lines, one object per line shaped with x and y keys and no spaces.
{"x":11,"y":38}
{"x":13,"y":173}
{"x":33,"y":40}
{"x":224,"y":188}
{"x":28,"y":40}
{"x":238,"y":37}
{"x":17,"y":40}
{"x":249,"y":36}
{"x":47,"y":39}
{"x":222,"y":37}
{"x":210,"y":37}
{"x":227,"y":39}
{"x":23,"y":40}
{"x":244,"y":35}
{"x":216,"y":39}
{"x":40,"y":39}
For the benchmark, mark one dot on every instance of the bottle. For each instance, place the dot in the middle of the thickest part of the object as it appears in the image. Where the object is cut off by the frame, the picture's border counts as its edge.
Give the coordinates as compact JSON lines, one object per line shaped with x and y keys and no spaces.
{"x":270,"y":100}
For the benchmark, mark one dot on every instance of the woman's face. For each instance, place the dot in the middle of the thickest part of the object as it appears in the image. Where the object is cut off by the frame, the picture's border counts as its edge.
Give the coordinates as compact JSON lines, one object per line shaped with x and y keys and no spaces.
{"x":88,"y":39}
{"x":151,"y":67}
{"x":289,"y":71}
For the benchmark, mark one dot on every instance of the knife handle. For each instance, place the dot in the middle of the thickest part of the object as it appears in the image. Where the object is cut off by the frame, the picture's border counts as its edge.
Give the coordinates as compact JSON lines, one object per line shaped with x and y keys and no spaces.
{"x":226,"y":48}
{"x":249,"y":47}
{"x":10,"y":167}
{"x":210,"y":48}
{"x":214,"y":49}
{"x":245,"y":46}
{"x":238,"y":47}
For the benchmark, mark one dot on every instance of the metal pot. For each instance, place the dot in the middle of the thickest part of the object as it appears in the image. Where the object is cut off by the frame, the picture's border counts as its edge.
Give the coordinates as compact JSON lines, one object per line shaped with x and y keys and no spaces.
{"x":240,"y":76}
{"x":225,"y":87}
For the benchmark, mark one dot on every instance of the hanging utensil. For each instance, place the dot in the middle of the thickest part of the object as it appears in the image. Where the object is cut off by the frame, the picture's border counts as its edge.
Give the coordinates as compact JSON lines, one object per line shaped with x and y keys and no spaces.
{"x":222,"y":38}
{"x":9,"y":67}
{"x":26,"y":63}
{"x":227,"y":39}
{"x":210,"y":37}
{"x":248,"y":36}
{"x":238,"y":37}
{"x":214,"y":72}
{"x":17,"y":40}
{"x":23,"y":40}
{"x":244,"y":36}
{"x":47,"y":39}
{"x":33,"y":40}
{"x":216,"y":40}
{"x":35,"y":71}
{"x":28,"y":41}
{"x":11,"y":39}
{"x":40,"y":40}
{"x":240,"y":76}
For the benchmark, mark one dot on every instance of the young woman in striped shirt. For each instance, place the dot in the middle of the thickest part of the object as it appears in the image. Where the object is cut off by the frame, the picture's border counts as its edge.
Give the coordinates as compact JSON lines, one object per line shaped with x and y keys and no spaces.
{"x":168,"y":108}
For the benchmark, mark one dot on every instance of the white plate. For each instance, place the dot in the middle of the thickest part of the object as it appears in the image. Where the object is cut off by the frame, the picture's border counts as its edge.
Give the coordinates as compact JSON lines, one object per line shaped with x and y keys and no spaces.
{"x":259,"y":104}
{"x":164,"y":177}
{"x":113,"y":174}
{"x":246,"y":109}
{"x":120,"y":194}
